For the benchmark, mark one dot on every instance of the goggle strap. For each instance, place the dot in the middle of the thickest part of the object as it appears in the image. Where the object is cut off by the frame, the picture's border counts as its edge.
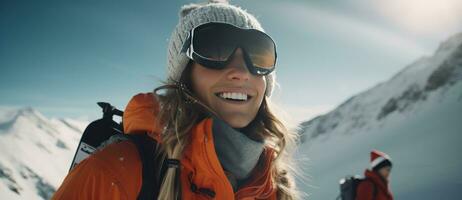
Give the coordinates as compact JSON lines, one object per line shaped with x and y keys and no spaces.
{"x":186,"y":44}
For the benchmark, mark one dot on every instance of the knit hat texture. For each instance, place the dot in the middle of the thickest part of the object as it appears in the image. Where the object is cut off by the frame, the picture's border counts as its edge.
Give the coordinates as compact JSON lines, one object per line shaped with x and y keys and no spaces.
{"x":192,"y":15}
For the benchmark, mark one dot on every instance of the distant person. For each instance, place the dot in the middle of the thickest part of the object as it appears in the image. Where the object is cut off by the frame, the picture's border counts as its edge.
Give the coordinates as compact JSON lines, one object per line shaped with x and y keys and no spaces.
{"x":377,"y":179}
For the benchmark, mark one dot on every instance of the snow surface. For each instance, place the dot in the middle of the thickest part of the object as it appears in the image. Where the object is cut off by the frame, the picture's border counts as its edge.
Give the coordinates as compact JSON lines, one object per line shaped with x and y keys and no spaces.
{"x":36,"y":152}
{"x":416,"y":117}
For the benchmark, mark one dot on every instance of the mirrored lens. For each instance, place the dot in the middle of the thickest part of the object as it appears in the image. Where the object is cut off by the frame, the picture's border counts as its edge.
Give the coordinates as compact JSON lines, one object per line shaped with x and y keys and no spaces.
{"x":215,"y":42}
{"x":260,"y":47}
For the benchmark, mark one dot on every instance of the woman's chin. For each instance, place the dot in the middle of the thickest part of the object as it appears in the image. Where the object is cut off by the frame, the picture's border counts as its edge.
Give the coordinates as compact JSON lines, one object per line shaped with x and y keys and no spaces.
{"x":236,"y":122}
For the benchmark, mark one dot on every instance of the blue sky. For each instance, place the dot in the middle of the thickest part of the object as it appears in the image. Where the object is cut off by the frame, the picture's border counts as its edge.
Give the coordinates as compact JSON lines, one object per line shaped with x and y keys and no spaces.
{"x":61,"y":57}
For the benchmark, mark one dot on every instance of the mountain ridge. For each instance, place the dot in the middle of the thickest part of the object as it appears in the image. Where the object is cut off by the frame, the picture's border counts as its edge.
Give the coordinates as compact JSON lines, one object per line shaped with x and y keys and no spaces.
{"x":428,"y":73}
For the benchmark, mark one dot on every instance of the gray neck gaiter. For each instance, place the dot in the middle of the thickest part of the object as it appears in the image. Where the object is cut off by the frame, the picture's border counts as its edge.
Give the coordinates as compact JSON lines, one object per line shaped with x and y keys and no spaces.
{"x":238,"y":154}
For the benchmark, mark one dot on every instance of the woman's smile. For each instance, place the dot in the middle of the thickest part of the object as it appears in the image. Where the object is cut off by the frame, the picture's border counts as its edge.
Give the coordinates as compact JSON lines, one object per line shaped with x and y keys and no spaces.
{"x":233,"y":92}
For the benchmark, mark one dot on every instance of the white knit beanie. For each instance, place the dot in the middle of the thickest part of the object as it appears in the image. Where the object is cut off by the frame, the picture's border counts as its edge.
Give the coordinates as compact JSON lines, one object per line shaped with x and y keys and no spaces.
{"x":192,"y":15}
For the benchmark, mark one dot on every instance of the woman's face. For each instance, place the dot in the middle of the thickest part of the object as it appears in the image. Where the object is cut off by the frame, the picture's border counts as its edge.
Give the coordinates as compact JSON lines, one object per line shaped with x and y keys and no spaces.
{"x":219,"y":90}
{"x":385,"y":172}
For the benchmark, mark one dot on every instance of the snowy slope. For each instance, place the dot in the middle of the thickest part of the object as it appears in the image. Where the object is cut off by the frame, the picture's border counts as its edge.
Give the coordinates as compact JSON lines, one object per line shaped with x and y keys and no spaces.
{"x":416,"y":117}
{"x":35,"y":152}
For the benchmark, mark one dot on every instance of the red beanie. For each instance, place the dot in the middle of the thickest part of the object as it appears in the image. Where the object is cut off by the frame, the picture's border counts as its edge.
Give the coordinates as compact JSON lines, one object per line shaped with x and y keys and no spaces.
{"x":379,"y":158}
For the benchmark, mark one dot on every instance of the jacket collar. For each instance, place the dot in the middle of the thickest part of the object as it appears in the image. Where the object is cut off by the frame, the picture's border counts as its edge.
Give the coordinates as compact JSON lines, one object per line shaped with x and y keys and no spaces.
{"x":201,"y":152}
{"x":237,"y":153}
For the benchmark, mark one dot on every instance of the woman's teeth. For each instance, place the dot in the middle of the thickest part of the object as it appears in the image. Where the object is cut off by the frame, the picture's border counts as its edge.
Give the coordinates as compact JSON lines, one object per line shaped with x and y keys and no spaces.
{"x":234,"y":96}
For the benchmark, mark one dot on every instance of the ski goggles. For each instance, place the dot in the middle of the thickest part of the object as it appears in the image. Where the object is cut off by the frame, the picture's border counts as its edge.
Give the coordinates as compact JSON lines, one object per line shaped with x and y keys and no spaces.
{"x":213,"y":44}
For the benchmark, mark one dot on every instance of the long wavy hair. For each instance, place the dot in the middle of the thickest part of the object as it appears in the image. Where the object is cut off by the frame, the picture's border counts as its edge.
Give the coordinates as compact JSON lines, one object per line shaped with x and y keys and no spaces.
{"x":180,"y":110}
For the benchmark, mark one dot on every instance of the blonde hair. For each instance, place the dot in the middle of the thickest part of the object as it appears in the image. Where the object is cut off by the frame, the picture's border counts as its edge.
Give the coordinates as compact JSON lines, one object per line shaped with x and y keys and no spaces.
{"x":180,"y":111}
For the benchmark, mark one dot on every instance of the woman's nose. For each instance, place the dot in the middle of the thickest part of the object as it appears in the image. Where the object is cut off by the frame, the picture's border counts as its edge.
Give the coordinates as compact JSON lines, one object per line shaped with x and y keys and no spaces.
{"x":236,"y":68}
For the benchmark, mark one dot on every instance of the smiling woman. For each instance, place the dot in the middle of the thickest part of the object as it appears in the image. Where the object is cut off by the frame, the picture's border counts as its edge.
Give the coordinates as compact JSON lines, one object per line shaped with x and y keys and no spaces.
{"x":217,"y":134}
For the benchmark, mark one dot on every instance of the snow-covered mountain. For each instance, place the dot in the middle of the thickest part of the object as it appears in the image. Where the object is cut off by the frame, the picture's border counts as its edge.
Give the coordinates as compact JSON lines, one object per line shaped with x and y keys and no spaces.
{"x":416,"y":117}
{"x":35,"y":152}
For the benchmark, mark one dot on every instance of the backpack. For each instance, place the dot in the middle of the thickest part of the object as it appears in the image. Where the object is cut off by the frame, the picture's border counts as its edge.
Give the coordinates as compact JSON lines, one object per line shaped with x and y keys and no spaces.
{"x":105,"y":131}
{"x":349,"y":185}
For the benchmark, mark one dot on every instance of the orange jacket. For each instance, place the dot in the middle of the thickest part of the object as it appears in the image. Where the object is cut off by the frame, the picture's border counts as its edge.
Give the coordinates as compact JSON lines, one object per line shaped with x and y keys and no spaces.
{"x":115,"y":171}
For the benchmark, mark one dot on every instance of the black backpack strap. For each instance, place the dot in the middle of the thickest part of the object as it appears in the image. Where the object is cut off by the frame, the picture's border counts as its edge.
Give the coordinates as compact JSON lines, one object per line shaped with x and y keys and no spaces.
{"x":150,"y":180}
